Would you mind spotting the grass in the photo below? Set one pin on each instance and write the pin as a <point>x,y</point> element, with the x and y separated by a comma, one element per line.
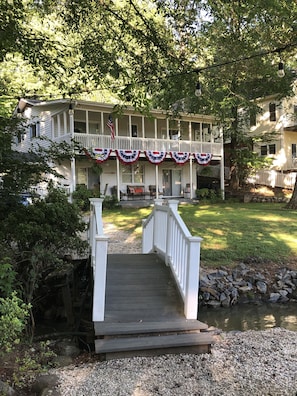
<point>231,232</point>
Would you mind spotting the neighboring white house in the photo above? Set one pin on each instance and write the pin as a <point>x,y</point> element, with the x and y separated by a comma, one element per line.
<point>279,117</point>
<point>160,153</point>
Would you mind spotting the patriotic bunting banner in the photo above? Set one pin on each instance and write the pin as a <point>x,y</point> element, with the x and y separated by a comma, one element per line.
<point>128,156</point>
<point>100,155</point>
<point>180,158</point>
<point>155,157</point>
<point>203,158</point>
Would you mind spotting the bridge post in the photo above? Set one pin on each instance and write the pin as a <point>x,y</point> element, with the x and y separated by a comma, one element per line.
<point>173,204</point>
<point>192,283</point>
<point>101,242</point>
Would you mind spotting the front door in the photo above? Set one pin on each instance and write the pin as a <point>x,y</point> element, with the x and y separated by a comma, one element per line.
<point>172,182</point>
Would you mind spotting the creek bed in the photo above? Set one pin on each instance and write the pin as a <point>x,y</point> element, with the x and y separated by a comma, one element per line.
<point>243,317</point>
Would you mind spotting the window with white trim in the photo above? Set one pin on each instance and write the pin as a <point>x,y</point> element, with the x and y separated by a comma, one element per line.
<point>35,130</point>
<point>133,173</point>
<point>268,149</point>
<point>272,112</point>
<point>294,150</point>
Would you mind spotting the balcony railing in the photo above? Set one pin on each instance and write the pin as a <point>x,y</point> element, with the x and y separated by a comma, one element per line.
<point>131,143</point>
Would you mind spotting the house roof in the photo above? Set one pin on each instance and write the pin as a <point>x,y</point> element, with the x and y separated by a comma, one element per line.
<point>82,104</point>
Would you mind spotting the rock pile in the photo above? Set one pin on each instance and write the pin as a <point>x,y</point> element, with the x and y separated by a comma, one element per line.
<point>265,198</point>
<point>226,287</point>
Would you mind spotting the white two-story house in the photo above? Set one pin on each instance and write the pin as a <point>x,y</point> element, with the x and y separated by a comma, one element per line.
<point>277,120</point>
<point>148,156</point>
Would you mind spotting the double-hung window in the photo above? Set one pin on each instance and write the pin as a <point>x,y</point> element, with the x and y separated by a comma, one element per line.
<point>272,112</point>
<point>133,173</point>
<point>268,149</point>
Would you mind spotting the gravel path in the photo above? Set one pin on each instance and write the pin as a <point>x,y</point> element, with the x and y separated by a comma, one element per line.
<point>251,363</point>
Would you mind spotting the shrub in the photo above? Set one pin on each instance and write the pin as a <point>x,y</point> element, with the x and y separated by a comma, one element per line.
<point>14,314</point>
<point>7,277</point>
<point>81,197</point>
<point>209,194</point>
<point>202,193</point>
<point>110,202</point>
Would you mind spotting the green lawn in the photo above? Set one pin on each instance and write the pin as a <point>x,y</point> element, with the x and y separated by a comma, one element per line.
<point>231,232</point>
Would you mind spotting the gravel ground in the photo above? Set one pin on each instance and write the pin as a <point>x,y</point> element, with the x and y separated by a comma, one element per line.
<point>251,363</point>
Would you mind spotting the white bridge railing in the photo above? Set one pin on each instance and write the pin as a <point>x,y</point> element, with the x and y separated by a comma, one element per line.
<point>165,233</point>
<point>98,245</point>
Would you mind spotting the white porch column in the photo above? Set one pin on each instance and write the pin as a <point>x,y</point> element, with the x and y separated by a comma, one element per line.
<point>157,180</point>
<point>191,177</point>
<point>72,163</point>
<point>142,126</point>
<point>222,167</point>
<point>118,180</point>
<point>102,123</point>
<point>129,123</point>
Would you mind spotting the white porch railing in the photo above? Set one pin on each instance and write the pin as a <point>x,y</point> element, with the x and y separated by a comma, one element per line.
<point>165,233</point>
<point>98,245</point>
<point>130,143</point>
<point>273,179</point>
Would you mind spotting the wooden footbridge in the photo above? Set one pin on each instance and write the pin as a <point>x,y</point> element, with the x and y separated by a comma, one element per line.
<point>146,304</point>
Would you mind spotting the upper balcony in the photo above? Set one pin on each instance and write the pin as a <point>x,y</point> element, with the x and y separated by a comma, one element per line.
<point>87,124</point>
<point>144,144</point>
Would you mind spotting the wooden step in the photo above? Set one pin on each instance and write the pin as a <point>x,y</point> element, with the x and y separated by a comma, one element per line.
<point>107,329</point>
<point>154,345</point>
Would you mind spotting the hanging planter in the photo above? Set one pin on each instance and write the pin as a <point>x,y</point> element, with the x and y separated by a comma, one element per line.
<point>180,158</point>
<point>203,158</point>
<point>128,156</point>
<point>155,157</point>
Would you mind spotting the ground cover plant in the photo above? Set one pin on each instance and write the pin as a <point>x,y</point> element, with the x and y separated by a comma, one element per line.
<point>231,232</point>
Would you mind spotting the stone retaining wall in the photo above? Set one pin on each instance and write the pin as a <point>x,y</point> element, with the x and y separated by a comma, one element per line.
<point>226,287</point>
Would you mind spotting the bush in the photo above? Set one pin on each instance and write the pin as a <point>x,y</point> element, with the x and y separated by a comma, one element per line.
<point>7,277</point>
<point>14,314</point>
<point>110,202</point>
<point>81,197</point>
<point>202,193</point>
<point>209,194</point>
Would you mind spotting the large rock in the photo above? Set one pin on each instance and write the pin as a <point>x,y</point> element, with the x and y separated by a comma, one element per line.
<point>45,385</point>
<point>274,297</point>
<point>262,287</point>
<point>6,390</point>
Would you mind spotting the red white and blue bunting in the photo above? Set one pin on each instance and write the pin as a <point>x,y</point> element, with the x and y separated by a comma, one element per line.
<point>128,156</point>
<point>203,158</point>
<point>155,157</point>
<point>98,154</point>
<point>180,158</point>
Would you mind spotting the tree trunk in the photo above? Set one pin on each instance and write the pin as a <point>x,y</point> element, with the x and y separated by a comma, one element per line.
<point>293,201</point>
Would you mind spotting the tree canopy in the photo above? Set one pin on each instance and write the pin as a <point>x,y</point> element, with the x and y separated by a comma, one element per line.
<point>148,53</point>
<point>151,54</point>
